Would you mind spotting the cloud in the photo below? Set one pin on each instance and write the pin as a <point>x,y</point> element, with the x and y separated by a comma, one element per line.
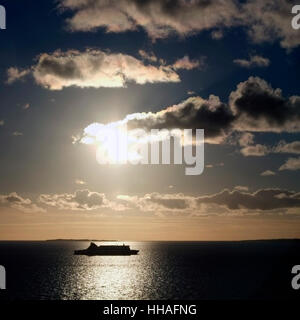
<point>14,74</point>
<point>254,61</point>
<point>257,150</point>
<point>194,113</point>
<point>268,173</point>
<point>250,149</point>
<point>17,134</point>
<point>217,34</point>
<point>75,139</point>
<point>283,147</point>
<point>227,202</point>
<point>13,200</point>
<point>187,64</point>
<point>241,188</point>
<point>246,139</point>
<point>292,164</point>
<point>253,107</point>
<point>148,56</point>
<point>80,182</point>
<point>171,202</point>
<point>154,202</point>
<point>264,21</point>
<point>269,21</point>
<point>80,200</point>
<point>238,201</point>
<point>159,18</point>
<point>259,107</point>
<point>221,164</point>
<point>96,68</point>
<point>262,200</point>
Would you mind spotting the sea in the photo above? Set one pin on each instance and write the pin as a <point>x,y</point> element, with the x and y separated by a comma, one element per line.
<point>247,270</point>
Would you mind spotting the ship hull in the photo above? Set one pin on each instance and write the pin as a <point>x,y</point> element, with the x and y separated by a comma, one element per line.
<point>86,253</point>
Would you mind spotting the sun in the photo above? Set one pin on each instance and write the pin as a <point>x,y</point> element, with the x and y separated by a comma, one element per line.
<point>116,146</point>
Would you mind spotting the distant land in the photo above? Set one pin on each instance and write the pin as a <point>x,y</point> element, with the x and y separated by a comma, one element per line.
<point>90,240</point>
<point>203,241</point>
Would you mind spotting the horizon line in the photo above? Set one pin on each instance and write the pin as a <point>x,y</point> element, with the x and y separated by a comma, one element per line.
<point>105,240</point>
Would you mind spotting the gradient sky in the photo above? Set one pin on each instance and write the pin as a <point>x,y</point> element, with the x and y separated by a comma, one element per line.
<point>229,68</point>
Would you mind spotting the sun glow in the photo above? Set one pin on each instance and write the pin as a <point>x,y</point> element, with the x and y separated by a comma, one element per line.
<point>116,146</point>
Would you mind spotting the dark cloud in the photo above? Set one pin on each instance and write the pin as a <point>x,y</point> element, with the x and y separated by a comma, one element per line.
<point>168,202</point>
<point>259,107</point>
<point>80,200</point>
<point>160,18</point>
<point>195,113</point>
<point>157,202</point>
<point>269,21</point>
<point>253,107</point>
<point>264,21</point>
<point>227,202</point>
<point>284,147</point>
<point>61,68</point>
<point>264,199</point>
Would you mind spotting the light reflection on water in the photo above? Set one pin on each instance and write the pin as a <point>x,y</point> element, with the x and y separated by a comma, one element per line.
<point>115,277</point>
<point>161,270</point>
<point>51,271</point>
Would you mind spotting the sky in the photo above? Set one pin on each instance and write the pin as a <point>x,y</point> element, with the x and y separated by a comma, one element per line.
<point>72,69</point>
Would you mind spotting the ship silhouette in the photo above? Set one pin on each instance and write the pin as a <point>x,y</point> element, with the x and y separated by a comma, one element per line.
<point>106,250</point>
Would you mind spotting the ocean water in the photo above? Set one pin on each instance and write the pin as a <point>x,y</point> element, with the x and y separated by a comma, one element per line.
<point>162,270</point>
